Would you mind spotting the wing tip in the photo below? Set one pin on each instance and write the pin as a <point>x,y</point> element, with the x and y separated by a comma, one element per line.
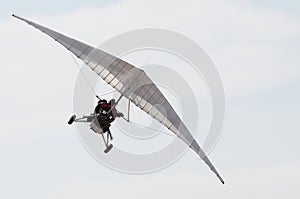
<point>223,182</point>
<point>220,178</point>
<point>16,16</point>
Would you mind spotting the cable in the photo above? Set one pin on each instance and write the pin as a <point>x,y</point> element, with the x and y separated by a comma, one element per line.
<point>153,129</point>
<point>109,92</point>
<point>81,71</point>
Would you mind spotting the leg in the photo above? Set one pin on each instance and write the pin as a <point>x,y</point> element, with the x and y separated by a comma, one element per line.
<point>108,147</point>
<point>109,133</point>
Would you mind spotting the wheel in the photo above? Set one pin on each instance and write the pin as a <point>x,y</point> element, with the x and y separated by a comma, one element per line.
<point>108,148</point>
<point>72,119</point>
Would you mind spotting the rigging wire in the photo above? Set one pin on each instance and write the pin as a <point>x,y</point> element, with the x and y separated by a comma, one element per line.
<point>109,92</point>
<point>86,79</point>
<point>153,129</point>
<point>84,76</point>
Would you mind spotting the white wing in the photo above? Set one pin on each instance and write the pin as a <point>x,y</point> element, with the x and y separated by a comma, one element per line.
<point>132,83</point>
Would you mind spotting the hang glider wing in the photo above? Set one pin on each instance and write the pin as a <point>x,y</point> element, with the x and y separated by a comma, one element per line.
<point>132,83</point>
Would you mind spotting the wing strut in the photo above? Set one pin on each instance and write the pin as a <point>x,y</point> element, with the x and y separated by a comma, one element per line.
<point>115,104</point>
<point>128,110</point>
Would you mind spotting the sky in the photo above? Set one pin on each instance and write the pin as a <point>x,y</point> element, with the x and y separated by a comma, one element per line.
<point>254,45</point>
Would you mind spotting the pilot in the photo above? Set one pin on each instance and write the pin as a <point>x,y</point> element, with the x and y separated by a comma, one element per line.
<point>106,114</point>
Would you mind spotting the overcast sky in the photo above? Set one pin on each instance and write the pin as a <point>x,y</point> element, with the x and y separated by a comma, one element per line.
<point>255,46</point>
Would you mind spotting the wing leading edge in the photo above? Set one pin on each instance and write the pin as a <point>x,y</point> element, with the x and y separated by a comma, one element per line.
<point>132,83</point>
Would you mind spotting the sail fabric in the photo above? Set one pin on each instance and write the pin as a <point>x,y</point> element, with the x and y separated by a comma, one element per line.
<point>131,82</point>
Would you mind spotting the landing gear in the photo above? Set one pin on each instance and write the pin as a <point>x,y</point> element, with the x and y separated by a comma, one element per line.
<point>106,141</point>
<point>95,122</point>
<point>108,148</point>
<point>72,119</point>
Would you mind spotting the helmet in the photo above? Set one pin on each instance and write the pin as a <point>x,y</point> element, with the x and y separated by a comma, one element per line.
<point>102,101</point>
